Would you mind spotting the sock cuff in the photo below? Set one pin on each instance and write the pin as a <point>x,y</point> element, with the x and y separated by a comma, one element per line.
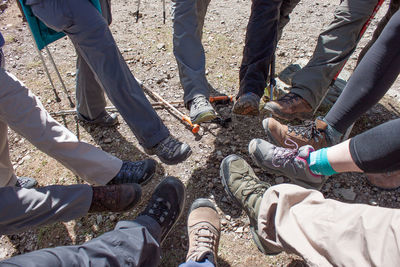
<point>319,164</point>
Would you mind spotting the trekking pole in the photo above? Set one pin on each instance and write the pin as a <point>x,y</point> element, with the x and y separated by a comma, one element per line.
<point>71,103</point>
<point>272,81</point>
<point>221,98</point>
<point>195,127</point>
<point>164,16</point>
<point>58,99</point>
<point>137,11</point>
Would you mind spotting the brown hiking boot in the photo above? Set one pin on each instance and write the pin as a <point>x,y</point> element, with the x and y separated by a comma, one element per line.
<point>312,133</point>
<point>289,107</point>
<point>204,231</point>
<point>115,198</point>
<point>386,181</point>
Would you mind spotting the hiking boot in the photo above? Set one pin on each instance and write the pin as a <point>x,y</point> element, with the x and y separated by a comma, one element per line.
<point>204,230</point>
<point>137,172</point>
<point>115,198</point>
<point>286,161</point>
<point>201,110</point>
<point>247,104</point>
<point>25,182</point>
<point>245,189</point>
<point>104,119</point>
<point>170,151</point>
<point>166,204</point>
<point>385,181</point>
<point>317,134</point>
<point>289,107</point>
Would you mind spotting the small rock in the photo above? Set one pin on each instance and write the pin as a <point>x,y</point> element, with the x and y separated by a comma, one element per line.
<point>160,46</point>
<point>279,180</point>
<point>228,217</point>
<point>372,202</point>
<point>99,219</point>
<point>107,141</point>
<point>224,221</point>
<point>239,230</point>
<point>347,194</point>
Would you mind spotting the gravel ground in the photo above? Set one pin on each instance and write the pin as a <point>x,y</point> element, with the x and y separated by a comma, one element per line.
<point>147,48</point>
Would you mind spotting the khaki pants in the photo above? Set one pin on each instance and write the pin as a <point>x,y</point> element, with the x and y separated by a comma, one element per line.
<point>23,112</point>
<point>326,232</point>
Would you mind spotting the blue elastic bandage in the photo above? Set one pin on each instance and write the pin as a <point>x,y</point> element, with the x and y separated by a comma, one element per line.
<point>319,164</point>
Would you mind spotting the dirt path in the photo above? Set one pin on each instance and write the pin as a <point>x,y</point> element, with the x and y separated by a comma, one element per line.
<point>147,48</point>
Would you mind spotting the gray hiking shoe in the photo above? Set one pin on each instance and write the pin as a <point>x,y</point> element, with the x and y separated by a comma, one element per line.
<point>170,151</point>
<point>204,231</point>
<point>25,182</point>
<point>286,161</point>
<point>201,110</point>
<point>105,119</point>
<point>245,189</point>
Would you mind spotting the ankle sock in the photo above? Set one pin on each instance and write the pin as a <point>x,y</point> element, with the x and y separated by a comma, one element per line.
<point>319,164</point>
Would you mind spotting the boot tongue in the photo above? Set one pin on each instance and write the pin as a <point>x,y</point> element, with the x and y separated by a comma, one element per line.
<point>304,151</point>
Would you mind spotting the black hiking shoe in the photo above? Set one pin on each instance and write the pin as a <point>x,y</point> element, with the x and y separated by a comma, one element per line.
<point>170,151</point>
<point>136,172</point>
<point>166,204</point>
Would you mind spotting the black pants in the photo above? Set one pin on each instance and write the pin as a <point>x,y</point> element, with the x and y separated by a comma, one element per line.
<point>379,148</point>
<point>267,19</point>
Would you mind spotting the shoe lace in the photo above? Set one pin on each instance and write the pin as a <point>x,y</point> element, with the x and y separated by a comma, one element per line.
<point>204,238</point>
<point>21,182</point>
<point>290,97</point>
<point>199,102</point>
<point>309,130</point>
<point>128,171</point>
<point>251,186</point>
<point>168,146</point>
<point>283,155</point>
<point>159,210</point>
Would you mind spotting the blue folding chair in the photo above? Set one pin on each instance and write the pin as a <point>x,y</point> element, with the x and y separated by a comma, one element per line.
<point>44,36</point>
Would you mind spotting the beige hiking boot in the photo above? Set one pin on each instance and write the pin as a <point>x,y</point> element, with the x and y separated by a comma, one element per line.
<point>204,231</point>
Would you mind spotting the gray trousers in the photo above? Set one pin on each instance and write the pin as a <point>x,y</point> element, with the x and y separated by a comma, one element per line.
<point>22,209</point>
<point>131,243</point>
<point>90,100</point>
<point>188,21</point>
<point>334,47</point>
<point>327,232</point>
<point>23,112</point>
<point>91,36</point>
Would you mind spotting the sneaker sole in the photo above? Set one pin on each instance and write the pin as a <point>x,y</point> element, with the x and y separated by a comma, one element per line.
<point>256,239</point>
<point>206,116</point>
<point>293,180</point>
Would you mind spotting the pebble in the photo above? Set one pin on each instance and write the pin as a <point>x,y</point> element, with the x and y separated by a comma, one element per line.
<point>372,202</point>
<point>99,219</point>
<point>279,180</point>
<point>347,194</point>
<point>107,141</point>
<point>160,46</point>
